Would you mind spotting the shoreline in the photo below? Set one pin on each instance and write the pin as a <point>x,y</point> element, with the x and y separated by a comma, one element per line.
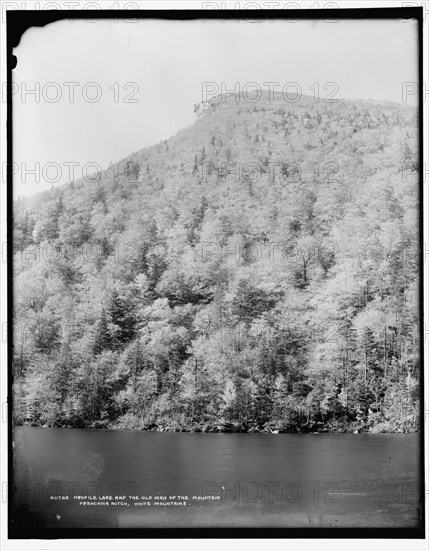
<point>224,430</point>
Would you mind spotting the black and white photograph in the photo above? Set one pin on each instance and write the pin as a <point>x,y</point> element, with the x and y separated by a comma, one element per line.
<point>215,271</point>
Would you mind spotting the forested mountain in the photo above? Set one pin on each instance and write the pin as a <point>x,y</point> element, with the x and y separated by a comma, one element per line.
<point>256,271</point>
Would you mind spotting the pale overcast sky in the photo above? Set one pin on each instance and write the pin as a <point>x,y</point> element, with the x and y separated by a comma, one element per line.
<point>162,66</point>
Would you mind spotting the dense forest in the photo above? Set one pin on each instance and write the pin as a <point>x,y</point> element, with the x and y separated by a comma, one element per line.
<point>258,271</point>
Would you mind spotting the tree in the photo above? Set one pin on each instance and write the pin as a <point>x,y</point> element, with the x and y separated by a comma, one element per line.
<point>103,338</point>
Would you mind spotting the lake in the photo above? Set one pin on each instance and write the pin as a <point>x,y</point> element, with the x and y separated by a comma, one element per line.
<point>106,478</point>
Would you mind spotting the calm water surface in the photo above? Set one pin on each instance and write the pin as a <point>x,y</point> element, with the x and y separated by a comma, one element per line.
<point>253,480</point>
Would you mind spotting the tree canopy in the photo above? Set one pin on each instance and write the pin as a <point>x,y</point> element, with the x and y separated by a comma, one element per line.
<point>257,270</point>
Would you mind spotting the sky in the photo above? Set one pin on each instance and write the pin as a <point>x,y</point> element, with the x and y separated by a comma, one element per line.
<point>103,90</point>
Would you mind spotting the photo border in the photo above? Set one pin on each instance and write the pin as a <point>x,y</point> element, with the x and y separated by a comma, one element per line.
<point>17,22</point>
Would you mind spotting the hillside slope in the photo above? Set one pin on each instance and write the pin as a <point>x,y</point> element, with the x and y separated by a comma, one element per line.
<point>256,271</point>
